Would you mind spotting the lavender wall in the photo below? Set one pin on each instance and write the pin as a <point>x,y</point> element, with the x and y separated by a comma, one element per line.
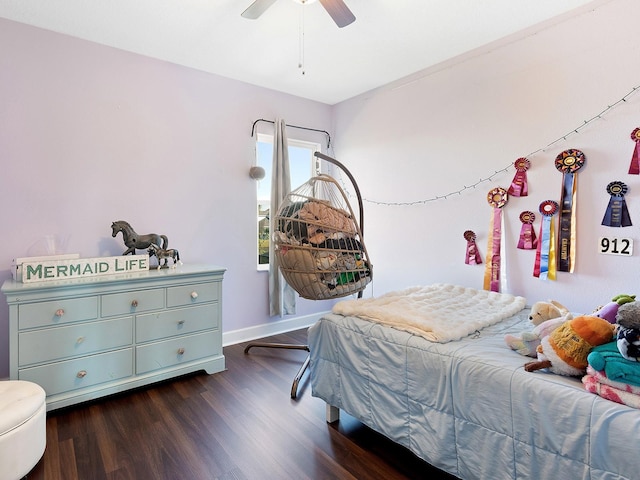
<point>438,131</point>
<point>91,134</point>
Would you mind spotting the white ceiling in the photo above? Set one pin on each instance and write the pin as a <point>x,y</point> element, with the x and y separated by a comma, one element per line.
<point>389,40</point>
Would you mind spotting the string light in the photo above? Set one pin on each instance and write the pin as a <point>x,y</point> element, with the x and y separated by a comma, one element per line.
<point>508,167</point>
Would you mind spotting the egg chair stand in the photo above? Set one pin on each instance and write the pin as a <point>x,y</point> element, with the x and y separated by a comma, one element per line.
<point>351,278</point>
<point>303,368</point>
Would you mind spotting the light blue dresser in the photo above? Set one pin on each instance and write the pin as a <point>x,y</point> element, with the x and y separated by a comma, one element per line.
<point>86,338</point>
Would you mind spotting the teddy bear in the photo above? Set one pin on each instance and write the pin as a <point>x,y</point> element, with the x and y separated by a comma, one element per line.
<point>564,351</point>
<point>546,316</point>
<point>543,311</point>
<point>609,311</point>
<point>628,336</point>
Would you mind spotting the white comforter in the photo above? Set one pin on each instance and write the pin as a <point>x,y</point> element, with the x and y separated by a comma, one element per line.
<point>439,312</point>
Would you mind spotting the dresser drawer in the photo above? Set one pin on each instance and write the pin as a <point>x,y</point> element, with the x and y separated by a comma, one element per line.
<point>64,342</point>
<point>57,312</point>
<point>155,356</point>
<point>193,294</point>
<point>82,372</point>
<point>134,301</point>
<point>180,321</point>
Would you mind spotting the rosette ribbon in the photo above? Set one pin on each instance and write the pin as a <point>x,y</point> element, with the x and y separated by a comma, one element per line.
<point>497,198</point>
<point>634,168</point>
<point>617,214</point>
<point>473,255</point>
<point>545,265</point>
<point>568,163</point>
<point>519,186</point>
<point>527,240</point>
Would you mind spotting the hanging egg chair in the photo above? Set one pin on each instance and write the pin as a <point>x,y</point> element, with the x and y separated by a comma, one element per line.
<point>319,246</point>
<point>318,242</point>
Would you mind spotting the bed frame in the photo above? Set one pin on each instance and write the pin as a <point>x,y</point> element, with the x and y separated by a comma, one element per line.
<point>468,407</point>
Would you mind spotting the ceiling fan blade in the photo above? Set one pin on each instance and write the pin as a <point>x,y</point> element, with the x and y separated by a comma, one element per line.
<point>257,8</point>
<point>339,12</point>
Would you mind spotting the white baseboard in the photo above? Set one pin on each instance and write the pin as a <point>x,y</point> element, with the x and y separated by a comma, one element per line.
<point>268,329</point>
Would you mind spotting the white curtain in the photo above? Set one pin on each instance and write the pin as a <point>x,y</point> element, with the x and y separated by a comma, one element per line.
<point>282,299</point>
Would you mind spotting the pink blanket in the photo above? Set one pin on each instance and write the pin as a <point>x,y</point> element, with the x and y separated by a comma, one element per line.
<point>598,383</point>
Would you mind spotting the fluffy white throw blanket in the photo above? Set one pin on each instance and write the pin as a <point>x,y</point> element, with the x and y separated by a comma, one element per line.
<point>440,312</point>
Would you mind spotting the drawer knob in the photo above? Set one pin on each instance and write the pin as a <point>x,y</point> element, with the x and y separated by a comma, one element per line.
<point>181,351</point>
<point>180,322</point>
<point>134,303</point>
<point>81,374</point>
<point>60,312</point>
<point>80,340</point>
<point>194,295</point>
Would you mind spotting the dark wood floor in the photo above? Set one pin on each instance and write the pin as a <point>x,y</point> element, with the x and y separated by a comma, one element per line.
<point>237,424</point>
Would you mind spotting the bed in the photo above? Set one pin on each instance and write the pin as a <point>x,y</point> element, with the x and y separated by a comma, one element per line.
<point>466,405</point>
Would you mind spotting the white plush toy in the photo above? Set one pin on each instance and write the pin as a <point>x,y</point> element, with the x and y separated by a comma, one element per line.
<point>543,311</point>
<point>546,316</point>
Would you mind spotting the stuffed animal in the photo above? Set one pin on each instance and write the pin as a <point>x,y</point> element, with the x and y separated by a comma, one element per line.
<point>609,311</point>
<point>527,342</point>
<point>564,351</point>
<point>546,316</point>
<point>628,337</point>
<point>543,311</point>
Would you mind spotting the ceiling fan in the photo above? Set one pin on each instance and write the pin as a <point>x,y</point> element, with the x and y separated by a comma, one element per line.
<point>335,8</point>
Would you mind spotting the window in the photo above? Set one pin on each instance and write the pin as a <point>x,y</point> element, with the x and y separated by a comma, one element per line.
<point>302,166</point>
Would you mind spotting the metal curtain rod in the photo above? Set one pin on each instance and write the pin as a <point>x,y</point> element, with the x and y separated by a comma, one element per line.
<point>253,129</point>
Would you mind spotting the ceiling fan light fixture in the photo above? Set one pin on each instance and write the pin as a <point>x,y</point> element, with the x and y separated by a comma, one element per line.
<point>336,9</point>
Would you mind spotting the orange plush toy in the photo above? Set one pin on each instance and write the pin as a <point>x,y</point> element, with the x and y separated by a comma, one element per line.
<point>564,351</point>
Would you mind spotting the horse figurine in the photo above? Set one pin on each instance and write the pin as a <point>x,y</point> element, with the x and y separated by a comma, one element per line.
<point>162,254</point>
<point>132,240</point>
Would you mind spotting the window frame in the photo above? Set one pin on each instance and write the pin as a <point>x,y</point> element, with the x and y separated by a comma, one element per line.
<point>314,169</point>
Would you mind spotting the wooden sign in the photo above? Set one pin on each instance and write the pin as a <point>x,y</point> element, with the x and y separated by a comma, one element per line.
<point>63,269</point>
<point>16,264</point>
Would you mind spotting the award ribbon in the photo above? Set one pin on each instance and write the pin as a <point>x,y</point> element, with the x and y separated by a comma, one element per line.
<point>545,265</point>
<point>528,240</point>
<point>634,168</point>
<point>568,162</point>
<point>617,214</point>
<point>473,255</point>
<point>519,186</point>
<point>497,198</point>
